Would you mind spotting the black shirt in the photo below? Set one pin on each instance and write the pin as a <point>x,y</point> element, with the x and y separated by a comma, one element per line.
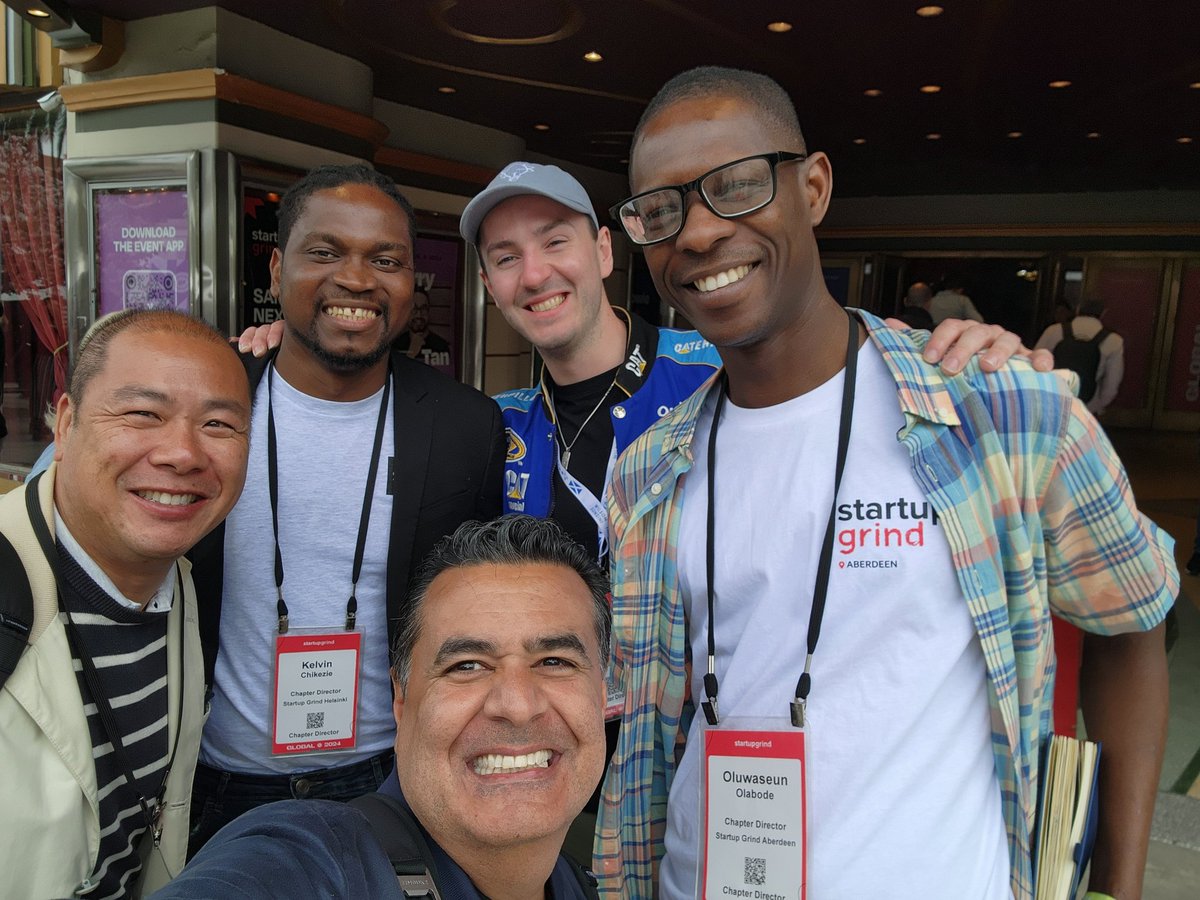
<point>590,449</point>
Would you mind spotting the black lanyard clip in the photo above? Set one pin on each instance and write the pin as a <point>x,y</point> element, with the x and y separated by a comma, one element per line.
<point>711,713</point>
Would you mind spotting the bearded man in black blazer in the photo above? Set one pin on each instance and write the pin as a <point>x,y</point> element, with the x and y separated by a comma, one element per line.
<point>360,460</point>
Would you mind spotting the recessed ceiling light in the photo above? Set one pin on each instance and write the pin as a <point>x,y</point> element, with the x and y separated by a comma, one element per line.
<point>541,126</point>
<point>933,136</point>
<point>860,140</point>
<point>592,56</point>
<point>779,27</point>
<point>1015,134</point>
<point>446,89</point>
<point>928,12</point>
<point>930,88</point>
<point>1183,140</point>
<point>1060,84</point>
<point>39,13</point>
<point>873,92</point>
<point>1093,134</point>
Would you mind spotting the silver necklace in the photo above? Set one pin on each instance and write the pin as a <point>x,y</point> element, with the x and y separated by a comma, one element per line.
<point>566,454</point>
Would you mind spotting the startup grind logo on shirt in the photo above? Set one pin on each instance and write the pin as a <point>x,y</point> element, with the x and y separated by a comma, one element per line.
<point>876,534</point>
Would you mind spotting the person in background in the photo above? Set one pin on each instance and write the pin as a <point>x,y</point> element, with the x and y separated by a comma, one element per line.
<point>952,302</point>
<point>916,306</point>
<point>1095,353</point>
<point>418,341</point>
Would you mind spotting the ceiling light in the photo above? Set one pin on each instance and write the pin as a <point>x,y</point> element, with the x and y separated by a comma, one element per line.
<point>40,13</point>
<point>592,56</point>
<point>933,136</point>
<point>1060,84</point>
<point>446,89</point>
<point>541,126</point>
<point>779,27</point>
<point>873,92</point>
<point>1183,140</point>
<point>1015,134</point>
<point>1093,134</point>
<point>1195,85</point>
<point>928,12</point>
<point>930,88</point>
<point>860,141</point>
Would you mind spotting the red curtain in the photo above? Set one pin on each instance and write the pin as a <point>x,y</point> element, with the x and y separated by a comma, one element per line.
<point>31,231</point>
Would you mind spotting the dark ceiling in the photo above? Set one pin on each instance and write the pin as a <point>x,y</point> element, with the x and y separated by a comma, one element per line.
<point>1130,118</point>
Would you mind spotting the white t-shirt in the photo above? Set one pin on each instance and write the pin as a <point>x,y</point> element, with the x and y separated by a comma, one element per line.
<point>903,797</point>
<point>324,449</point>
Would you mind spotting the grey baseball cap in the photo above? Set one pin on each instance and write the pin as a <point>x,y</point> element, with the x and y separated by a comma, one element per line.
<point>518,179</point>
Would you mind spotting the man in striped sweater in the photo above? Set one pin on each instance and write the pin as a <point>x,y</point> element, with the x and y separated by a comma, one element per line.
<point>100,719</point>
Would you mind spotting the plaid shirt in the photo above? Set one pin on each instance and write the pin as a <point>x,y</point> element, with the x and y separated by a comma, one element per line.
<point>1039,517</point>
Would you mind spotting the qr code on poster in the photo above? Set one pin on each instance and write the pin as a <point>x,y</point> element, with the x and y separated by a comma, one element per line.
<point>756,870</point>
<point>317,720</point>
<point>148,289</point>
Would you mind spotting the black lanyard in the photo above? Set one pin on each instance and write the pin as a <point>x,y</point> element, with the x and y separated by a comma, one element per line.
<point>364,519</point>
<point>821,589</point>
<point>108,721</point>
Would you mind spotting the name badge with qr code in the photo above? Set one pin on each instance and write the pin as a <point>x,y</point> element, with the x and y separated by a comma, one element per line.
<point>316,692</point>
<point>753,804</point>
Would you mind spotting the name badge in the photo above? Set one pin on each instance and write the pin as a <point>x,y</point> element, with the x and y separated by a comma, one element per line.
<point>614,698</point>
<point>754,795</point>
<point>316,692</point>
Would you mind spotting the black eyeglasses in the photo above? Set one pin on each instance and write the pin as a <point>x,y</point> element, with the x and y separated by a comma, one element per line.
<point>734,189</point>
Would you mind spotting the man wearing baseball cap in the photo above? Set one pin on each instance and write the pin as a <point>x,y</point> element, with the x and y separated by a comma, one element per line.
<point>607,374</point>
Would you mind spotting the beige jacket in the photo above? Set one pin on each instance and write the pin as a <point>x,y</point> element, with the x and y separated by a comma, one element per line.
<point>49,818</point>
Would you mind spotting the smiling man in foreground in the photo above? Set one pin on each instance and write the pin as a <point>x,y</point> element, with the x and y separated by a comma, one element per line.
<point>102,705</point>
<point>498,670</point>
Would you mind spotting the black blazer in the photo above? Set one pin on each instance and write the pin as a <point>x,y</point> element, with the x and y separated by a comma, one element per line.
<point>449,469</point>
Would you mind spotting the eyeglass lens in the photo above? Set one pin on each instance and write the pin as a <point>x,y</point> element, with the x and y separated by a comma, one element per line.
<point>732,190</point>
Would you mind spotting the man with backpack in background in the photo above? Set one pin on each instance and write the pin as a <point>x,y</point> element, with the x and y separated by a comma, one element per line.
<point>1093,352</point>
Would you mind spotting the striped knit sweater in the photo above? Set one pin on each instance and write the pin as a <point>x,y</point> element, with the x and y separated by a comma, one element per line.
<point>129,651</point>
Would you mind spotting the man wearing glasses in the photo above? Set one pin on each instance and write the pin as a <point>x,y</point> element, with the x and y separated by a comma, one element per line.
<point>873,590</point>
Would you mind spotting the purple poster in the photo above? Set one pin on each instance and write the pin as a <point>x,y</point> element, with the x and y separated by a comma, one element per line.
<point>432,333</point>
<point>142,249</point>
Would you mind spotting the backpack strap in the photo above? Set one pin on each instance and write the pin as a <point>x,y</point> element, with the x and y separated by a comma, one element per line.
<point>405,845</point>
<point>409,853</point>
<point>585,877</point>
<point>16,609</point>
